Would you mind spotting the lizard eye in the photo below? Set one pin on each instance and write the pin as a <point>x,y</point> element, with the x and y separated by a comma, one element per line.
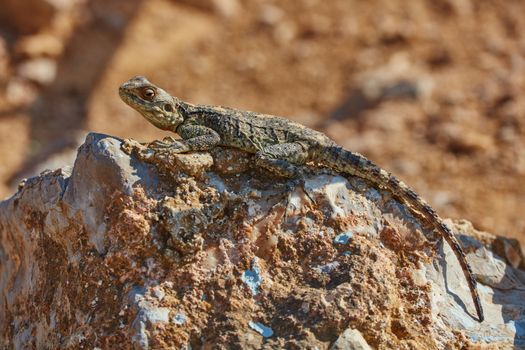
<point>168,108</point>
<point>148,93</point>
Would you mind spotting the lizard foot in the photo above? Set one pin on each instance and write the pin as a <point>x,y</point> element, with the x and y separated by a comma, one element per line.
<point>292,185</point>
<point>168,145</point>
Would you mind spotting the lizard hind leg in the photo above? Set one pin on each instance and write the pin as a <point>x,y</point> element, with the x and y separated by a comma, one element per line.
<point>283,159</point>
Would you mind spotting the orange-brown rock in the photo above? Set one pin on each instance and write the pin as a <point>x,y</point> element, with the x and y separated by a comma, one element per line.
<point>130,254</point>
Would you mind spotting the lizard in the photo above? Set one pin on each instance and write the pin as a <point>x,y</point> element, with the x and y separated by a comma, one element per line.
<point>279,145</point>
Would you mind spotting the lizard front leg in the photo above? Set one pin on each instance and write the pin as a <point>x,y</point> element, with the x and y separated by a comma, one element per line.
<point>283,159</point>
<point>194,138</point>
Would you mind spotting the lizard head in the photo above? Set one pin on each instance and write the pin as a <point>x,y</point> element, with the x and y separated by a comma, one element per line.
<point>156,105</point>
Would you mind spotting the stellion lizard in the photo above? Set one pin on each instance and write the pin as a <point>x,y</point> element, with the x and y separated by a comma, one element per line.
<point>280,146</point>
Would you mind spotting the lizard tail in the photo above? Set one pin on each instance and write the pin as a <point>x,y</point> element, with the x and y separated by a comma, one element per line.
<point>344,161</point>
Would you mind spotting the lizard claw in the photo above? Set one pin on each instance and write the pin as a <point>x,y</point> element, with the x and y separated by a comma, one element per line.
<point>292,184</point>
<point>165,143</point>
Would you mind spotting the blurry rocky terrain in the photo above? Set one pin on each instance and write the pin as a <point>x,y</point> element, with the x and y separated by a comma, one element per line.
<point>431,90</point>
<point>203,251</point>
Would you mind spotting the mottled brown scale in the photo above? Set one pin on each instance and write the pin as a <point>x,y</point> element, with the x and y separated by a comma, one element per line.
<point>280,146</point>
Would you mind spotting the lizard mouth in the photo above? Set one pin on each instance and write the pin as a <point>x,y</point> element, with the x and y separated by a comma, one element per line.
<point>128,97</point>
<point>131,99</point>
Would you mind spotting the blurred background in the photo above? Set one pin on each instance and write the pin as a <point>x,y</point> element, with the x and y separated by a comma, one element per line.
<point>432,90</point>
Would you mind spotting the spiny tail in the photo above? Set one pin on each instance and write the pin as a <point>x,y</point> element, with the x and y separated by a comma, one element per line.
<point>344,161</point>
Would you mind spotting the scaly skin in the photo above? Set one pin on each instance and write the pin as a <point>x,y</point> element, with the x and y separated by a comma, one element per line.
<point>280,146</point>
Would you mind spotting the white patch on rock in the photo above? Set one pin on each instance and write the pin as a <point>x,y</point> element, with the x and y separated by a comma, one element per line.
<point>179,319</point>
<point>327,268</point>
<point>350,339</point>
<point>261,329</point>
<point>253,278</point>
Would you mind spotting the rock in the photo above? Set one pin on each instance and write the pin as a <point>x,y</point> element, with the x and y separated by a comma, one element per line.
<point>227,8</point>
<point>39,70</point>
<point>351,339</point>
<point>131,251</point>
<point>39,45</point>
<point>285,32</point>
<point>461,139</point>
<point>193,164</point>
<point>60,154</point>
<point>270,14</point>
<point>20,92</point>
<point>397,79</point>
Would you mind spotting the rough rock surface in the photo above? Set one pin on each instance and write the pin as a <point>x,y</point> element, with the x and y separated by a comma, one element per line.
<point>141,254</point>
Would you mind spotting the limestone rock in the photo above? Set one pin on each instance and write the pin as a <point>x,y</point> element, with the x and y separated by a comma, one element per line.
<point>351,339</point>
<point>131,251</point>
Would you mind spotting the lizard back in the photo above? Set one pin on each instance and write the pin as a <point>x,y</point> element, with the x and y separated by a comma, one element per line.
<point>252,131</point>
